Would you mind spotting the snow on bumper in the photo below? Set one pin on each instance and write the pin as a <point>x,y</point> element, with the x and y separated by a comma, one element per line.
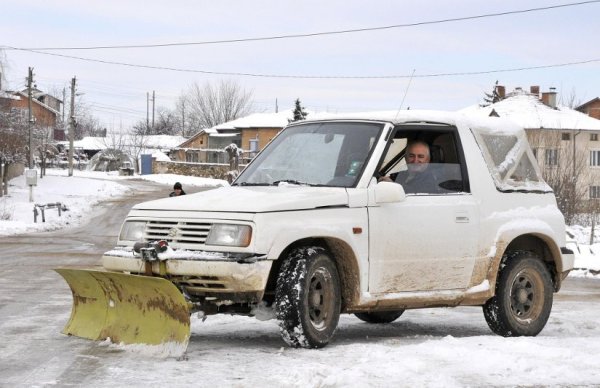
<point>208,274</point>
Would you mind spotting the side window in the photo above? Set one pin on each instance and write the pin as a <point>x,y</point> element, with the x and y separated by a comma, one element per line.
<point>443,173</point>
<point>510,160</point>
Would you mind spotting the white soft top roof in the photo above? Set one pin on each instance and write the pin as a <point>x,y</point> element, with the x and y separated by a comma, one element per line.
<point>500,124</point>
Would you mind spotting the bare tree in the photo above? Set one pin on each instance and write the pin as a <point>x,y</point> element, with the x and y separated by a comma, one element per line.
<point>210,105</point>
<point>564,168</point>
<point>571,100</point>
<point>13,149</point>
<point>166,123</point>
<point>43,138</point>
<point>139,142</point>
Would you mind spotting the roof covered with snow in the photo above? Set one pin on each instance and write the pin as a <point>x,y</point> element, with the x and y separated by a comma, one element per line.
<point>163,142</point>
<point>529,112</point>
<point>256,120</point>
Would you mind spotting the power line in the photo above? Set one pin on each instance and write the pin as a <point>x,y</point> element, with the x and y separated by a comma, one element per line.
<point>258,75</point>
<point>314,34</point>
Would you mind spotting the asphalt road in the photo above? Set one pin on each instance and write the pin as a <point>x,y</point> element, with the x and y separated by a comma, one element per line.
<point>35,301</point>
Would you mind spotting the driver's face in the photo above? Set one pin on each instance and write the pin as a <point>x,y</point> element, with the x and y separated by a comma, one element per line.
<point>417,157</point>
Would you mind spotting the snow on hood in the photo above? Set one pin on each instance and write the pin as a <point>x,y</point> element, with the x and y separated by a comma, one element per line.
<point>252,199</point>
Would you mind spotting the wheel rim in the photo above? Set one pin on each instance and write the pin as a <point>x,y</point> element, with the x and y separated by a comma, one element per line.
<point>320,298</point>
<point>526,295</point>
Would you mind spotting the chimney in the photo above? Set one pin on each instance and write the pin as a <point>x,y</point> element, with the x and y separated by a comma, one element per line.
<point>549,98</point>
<point>501,91</point>
<point>535,90</point>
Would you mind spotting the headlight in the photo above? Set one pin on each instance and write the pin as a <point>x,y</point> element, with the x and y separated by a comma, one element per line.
<point>229,235</point>
<point>132,231</point>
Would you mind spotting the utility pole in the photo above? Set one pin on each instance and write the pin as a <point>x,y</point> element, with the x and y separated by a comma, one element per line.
<point>72,126</point>
<point>63,108</point>
<point>153,101</point>
<point>30,115</point>
<point>147,111</point>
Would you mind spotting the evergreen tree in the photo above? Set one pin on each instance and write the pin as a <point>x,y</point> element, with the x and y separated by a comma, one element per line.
<point>492,98</point>
<point>299,112</point>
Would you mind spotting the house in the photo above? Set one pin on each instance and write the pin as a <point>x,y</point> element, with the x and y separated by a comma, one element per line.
<point>45,109</point>
<point>591,108</point>
<point>250,133</point>
<point>564,141</point>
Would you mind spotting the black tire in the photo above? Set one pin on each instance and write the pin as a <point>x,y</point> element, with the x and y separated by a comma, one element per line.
<point>523,299</point>
<point>380,317</point>
<point>307,298</point>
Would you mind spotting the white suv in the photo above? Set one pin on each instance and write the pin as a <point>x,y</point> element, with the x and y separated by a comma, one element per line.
<point>308,230</point>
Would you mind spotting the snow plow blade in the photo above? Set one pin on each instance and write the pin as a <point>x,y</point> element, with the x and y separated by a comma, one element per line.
<point>127,309</point>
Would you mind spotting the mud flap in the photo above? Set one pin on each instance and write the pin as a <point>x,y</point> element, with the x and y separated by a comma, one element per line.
<point>128,309</point>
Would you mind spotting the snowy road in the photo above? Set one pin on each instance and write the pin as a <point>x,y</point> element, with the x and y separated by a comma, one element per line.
<point>437,347</point>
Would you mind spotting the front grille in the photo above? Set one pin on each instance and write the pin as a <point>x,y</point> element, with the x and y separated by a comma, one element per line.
<point>177,232</point>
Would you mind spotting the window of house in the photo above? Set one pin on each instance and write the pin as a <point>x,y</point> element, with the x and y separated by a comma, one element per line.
<point>253,145</point>
<point>551,157</point>
<point>593,137</point>
<point>566,136</point>
<point>594,192</point>
<point>191,157</point>
<point>595,158</point>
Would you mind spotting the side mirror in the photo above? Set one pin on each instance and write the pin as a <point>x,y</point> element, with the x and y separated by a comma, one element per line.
<point>389,192</point>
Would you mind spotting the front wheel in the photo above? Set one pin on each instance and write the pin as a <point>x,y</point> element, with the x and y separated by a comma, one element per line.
<point>523,299</point>
<point>307,298</point>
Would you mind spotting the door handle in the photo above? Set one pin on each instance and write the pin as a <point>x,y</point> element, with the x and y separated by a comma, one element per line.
<point>462,217</point>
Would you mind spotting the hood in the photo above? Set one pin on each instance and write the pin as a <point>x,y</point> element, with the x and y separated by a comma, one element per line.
<point>252,199</point>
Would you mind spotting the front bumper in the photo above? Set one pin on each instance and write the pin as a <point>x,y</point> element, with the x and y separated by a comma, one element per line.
<point>216,278</point>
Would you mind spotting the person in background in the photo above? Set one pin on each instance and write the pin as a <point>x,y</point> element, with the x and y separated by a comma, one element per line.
<point>177,190</point>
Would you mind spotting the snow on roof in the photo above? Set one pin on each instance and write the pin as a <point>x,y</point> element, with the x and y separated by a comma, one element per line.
<point>163,141</point>
<point>101,143</point>
<point>256,120</point>
<point>8,95</point>
<point>160,156</point>
<point>529,112</point>
<point>90,143</point>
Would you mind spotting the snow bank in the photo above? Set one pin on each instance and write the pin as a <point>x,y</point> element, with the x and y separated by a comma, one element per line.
<point>77,194</point>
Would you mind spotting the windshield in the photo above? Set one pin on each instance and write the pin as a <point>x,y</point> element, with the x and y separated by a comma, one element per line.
<point>315,154</point>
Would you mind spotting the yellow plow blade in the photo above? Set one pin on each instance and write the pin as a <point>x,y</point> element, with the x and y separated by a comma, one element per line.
<point>128,309</point>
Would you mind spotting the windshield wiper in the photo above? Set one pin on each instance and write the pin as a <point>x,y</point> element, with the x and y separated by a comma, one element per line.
<point>291,181</point>
<point>251,184</point>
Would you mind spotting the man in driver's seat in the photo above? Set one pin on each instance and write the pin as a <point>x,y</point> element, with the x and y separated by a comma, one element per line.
<point>419,177</point>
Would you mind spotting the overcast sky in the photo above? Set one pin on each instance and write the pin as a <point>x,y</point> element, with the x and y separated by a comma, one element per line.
<point>118,93</point>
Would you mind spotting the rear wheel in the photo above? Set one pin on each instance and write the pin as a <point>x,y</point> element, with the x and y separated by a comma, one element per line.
<point>380,317</point>
<point>307,298</point>
<point>523,299</point>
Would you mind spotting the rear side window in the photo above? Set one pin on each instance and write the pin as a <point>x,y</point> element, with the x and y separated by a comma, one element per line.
<point>510,160</point>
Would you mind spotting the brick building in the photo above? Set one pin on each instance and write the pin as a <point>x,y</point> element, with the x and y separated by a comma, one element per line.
<point>591,108</point>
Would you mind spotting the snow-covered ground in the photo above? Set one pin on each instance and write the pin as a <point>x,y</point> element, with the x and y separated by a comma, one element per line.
<point>78,193</point>
<point>86,188</point>
<point>443,347</point>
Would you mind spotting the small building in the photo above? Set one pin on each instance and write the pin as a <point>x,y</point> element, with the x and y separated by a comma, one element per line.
<point>250,133</point>
<point>591,108</point>
<point>45,109</point>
